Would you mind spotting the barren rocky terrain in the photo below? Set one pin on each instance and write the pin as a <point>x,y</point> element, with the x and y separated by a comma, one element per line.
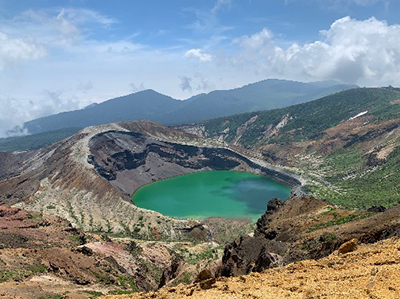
<point>304,247</point>
<point>370,271</point>
<point>45,256</point>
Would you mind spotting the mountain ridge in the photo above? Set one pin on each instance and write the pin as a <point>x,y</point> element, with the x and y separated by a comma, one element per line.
<point>154,106</point>
<point>336,152</point>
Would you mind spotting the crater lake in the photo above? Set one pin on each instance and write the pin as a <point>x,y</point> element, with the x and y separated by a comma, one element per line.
<point>199,195</point>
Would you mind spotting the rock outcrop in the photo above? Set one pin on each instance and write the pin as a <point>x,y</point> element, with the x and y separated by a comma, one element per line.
<point>250,254</point>
<point>305,228</point>
<point>372,271</point>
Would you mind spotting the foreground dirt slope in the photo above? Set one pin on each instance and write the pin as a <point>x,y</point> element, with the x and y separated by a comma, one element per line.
<point>43,256</point>
<point>371,271</point>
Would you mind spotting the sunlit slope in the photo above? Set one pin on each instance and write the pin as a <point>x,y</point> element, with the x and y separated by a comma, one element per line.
<point>346,145</point>
<point>304,120</point>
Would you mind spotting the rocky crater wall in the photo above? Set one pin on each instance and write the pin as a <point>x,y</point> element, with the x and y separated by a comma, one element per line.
<point>130,160</point>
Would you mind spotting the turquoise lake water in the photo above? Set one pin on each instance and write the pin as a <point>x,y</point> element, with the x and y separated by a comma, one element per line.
<point>215,193</point>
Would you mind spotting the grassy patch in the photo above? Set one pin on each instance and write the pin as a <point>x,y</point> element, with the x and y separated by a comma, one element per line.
<point>94,294</point>
<point>74,238</point>
<point>121,292</point>
<point>126,282</point>
<point>193,258</point>
<point>339,220</point>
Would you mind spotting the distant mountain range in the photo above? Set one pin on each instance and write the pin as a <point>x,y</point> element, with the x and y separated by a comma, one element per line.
<point>151,105</point>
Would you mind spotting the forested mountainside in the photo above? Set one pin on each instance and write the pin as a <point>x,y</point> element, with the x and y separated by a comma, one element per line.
<point>345,144</point>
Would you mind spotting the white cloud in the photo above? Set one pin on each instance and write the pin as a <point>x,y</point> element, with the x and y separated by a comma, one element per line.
<point>185,83</point>
<point>138,88</point>
<point>198,54</point>
<point>14,51</point>
<point>16,114</point>
<point>85,86</point>
<point>256,41</point>
<point>220,4</point>
<point>18,111</point>
<point>197,82</point>
<point>72,64</point>
<point>82,16</point>
<point>61,66</point>
<point>364,52</point>
<point>56,27</point>
<point>203,83</point>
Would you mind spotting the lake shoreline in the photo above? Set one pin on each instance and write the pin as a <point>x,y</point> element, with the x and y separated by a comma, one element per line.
<point>200,195</point>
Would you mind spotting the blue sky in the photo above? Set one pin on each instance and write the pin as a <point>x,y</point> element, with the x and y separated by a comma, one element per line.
<point>62,55</point>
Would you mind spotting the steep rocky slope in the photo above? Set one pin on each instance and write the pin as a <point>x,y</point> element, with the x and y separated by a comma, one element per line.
<point>371,271</point>
<point>60,177</point>
<point>305,228</point>
<point>44,256</point>
<point>90,177</point>
<point>306,247</point>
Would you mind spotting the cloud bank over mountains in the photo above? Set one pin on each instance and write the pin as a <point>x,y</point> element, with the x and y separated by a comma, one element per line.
<point>58,59</point>
<point>365,52</point>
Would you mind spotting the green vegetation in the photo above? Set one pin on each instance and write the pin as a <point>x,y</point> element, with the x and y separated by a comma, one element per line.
<point>359,185</point>
<point>194,256</point>
<point>30,142</point>
<point>121,292</point>
<point>308,119</point>
<point>94,294</point>
<point>340,220</point>
<point>127,282</point>
<point>185,278</point>
<point>25,270</point>
<point>72,212</point>
<point>347,177</point>
<point>37,216</point>
<point>193,259</point>
<point>57,296</point>
<point>74,238</point>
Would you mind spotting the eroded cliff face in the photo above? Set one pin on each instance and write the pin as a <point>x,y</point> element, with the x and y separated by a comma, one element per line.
<point>371,271</point>
<point>130,160</point>
<point>58,180</point>
<point>305,228</point>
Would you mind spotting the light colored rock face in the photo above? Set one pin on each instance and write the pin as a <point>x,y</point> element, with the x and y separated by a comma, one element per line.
<point>198,130</point>
<point>242,128</point>
<point>59,180</point>
<point>80,150</point>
